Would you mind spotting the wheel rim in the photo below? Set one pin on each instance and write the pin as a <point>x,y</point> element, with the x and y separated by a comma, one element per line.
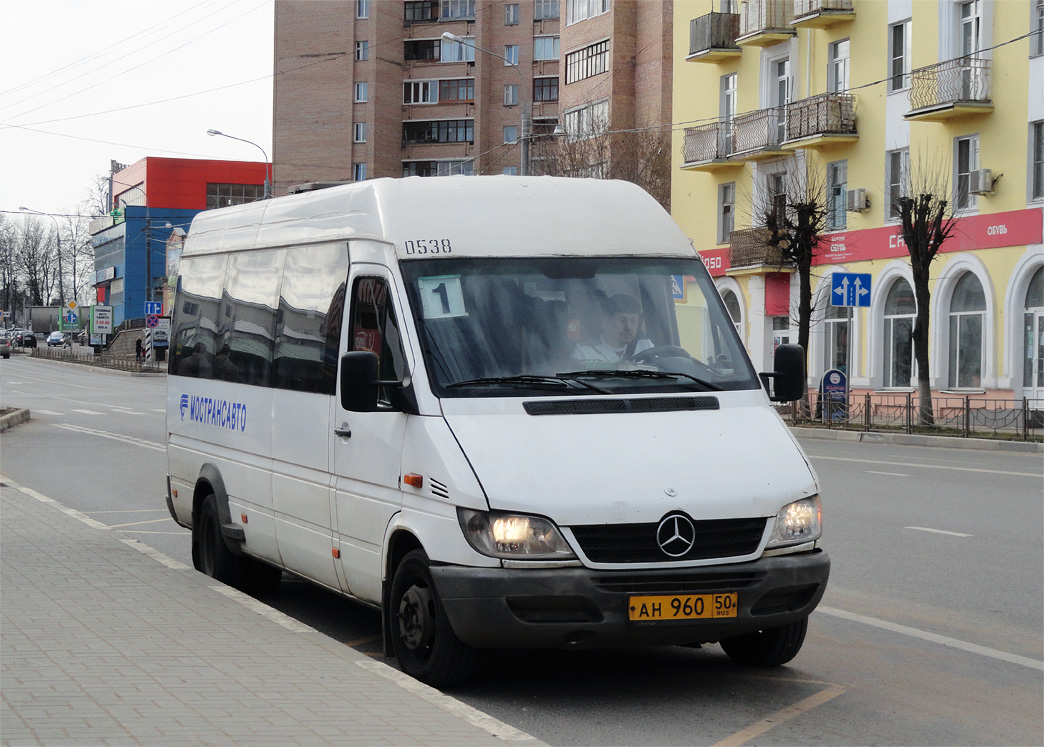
<point>417,620</point>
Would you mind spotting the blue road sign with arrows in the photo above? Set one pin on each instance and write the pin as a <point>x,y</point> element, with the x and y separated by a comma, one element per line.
<point>850,289</point>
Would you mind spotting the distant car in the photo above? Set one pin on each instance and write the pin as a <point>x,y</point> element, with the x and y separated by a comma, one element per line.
<point>26,339</point>
<point>55,339</point>
<point>5,347</point>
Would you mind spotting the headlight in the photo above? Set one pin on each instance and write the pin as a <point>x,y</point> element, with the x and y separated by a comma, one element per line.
<point>513,535</point>
<point>797,522</point>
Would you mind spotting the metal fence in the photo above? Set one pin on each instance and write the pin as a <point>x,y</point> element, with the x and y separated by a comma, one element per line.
<point>963,416</point>
<point>104,360</point>
<point>963,80</point>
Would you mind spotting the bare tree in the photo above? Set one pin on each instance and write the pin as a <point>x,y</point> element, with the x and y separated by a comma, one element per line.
<point>925,211</point>
<point>35,260</point>
<point>642,157</point>
<point>9,291</point>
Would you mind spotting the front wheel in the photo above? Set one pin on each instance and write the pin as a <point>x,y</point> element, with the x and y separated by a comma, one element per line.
<point>424,642</point>
<point>771,647</point>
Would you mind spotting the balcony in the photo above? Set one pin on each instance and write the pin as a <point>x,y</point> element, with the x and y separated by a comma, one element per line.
<point>765,22</point>
<point>708,147</point>
<point>749,251</point>
<point>759,135</point>
<point>821,14</point>
<point>821,121</point>
<point>955,88</point>
<point>712,37</point>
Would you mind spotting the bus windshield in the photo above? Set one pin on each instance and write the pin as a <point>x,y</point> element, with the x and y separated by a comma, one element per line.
<point>573,325</point>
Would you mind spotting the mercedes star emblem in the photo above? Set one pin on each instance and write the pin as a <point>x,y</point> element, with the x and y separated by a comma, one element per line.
<point>676,535</point>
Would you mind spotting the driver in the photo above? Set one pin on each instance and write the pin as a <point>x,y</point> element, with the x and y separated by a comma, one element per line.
<point>620,339</point>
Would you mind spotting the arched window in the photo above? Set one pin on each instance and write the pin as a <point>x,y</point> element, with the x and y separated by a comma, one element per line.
<point>899,310</point>
<point>732,305</point>
<point>836,338</point>
<point>1033,349</point>
<point>967,327</point>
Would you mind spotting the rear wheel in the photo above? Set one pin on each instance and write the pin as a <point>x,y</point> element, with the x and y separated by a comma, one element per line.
<point>424,642</point>
<point>771,647</point>
<point>210,555</point>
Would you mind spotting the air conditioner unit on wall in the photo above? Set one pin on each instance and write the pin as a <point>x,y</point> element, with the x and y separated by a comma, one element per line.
<point>980,182</point>
<point>857,201</point>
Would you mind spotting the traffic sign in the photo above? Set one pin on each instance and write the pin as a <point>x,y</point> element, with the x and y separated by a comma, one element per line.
<point>850,289</point>
<point>152,321</point>
<point>153,308</point>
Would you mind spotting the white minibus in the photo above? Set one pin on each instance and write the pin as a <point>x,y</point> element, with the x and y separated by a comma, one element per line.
<point>508,412</point>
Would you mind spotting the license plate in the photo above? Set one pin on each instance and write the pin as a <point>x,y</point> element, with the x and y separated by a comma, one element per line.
<point>682,607</point>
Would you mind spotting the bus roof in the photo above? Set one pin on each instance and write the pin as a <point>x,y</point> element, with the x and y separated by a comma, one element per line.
<point>473,216</point>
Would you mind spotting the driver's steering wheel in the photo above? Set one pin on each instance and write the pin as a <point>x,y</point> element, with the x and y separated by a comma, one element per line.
<point>650,355</point>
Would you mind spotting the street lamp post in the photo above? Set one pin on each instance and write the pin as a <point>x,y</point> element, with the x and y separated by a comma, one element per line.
<point>58,238</point>
<point>268,180</point>
<point>523,138</point>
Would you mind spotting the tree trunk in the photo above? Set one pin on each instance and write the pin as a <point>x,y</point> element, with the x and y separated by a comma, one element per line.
<point>926,414</point>
<point>804,323</point>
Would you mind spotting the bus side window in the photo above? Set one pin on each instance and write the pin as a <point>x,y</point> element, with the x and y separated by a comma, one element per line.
<point>374,327</point>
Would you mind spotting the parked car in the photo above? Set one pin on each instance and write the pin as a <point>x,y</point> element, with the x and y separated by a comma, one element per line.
<point>26,339</point>
<point>57,339</point>
<point>5,347</point>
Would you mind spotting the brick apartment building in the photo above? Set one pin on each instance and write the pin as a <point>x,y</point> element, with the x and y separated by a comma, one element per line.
<point>371,88</point>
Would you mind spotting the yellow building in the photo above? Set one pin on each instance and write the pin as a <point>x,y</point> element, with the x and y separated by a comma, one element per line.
<point>856,99</point>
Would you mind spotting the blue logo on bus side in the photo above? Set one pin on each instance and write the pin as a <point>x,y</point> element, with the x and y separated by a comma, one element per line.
<point>210,411</point>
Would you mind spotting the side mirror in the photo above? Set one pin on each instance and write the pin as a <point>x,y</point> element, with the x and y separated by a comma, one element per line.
<point>359,382</point>
<point>788,378</point>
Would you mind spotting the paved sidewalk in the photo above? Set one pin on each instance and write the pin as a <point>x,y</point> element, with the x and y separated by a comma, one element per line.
<point>106,641</point>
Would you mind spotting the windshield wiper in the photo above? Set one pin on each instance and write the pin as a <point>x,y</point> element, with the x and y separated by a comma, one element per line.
<point>529,381</point>
<point>640,373</point>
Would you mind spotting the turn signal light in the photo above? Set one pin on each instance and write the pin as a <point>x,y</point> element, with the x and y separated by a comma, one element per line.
<point>335,552</point>
<point>243,517</point>
<point>413,480</point>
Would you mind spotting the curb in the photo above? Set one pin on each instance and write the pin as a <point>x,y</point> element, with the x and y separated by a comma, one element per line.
<point>913,439</point>
<point>11,419</point>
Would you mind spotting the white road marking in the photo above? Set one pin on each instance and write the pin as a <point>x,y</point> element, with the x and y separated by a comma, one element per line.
<point>941,531</point>
<point>890,474</point>
<point>929,466</point>
<point>45,412</point>
<point>139,523</point>
<point>113,436</point>
<point>934,638</point>
<point>88,412</point>
<point>779,717</point>
<point>129,412</point>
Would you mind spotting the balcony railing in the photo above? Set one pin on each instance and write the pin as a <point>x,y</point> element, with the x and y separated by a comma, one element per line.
<point>711,142</point>
<point>749,247</point>
<point>759,131</point>
<point>823,115</point>
<point>766,17</point>
<point>963,81</point>
<point>713,32</point>
<point>822,12</point>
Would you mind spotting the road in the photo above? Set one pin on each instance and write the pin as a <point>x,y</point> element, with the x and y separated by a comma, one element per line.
<point>931,631</point>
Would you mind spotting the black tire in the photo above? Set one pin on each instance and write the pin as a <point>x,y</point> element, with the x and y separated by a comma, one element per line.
<point>210,555</point>
<point>772,647</point>
<point>424,641</point>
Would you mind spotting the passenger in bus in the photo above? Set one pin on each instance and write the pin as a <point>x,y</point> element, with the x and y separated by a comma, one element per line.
<point>197,364</point>
<point>224,368</point>
<point>620,340</point>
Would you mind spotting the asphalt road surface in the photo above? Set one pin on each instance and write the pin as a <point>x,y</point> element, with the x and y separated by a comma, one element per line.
<point>931,631</point>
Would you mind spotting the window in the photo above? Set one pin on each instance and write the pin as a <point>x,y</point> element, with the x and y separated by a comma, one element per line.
<point>420,92</point>
<point>967,325</point>
<point>362,50</point>
<point>837,73</point>
<point>438,168</point>
<point>510,54</point>
<point>509,171</point>
<point>726,211</point>
<point>359,172</point>
<point>726,113</point>
<point>359,132</point>
<point>511,14</point>
<point>967,160</point>
<point>732,305</point>
<point>587,121</point>
<point>837,188</point>
<point>453,51</point>
<point>419,11</point>
<point>374,329</point>
<point>545,48</point>
<point>1033,341</point>
<point>457,9</point>
<point>511,95</point>
<point>780,95</point>
<point>1037,40</point>
<point>899,310</point>
<point>776,189</point>
<point>544,9</point>
<point>545,89</point>
<point>579,10</point>
<point>223,195</point>
<point>1037,160</point>
<point>361,90</point>
<point>362,8</point>
<point>899,56</point>
<point>897,167</point>
<point>461,89</point>
<point>586,62</point>
<point>439,131</point>
<point>511,134</point>
<point>835,332</point>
